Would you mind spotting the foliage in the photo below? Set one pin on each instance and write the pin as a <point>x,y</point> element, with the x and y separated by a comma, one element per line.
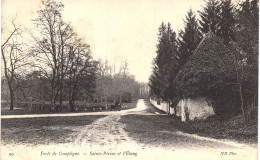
<point>247,34</point>
<point>165,63</point>
<point>189,38</point>
<point>210,16</point>
<point>223,67</point>
<point>226,22</point>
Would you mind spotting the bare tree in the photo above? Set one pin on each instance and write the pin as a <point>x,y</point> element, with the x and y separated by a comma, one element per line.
<point>116,84</point>
<point>52,46</point>
<point>123,74</point>
<point>103,82</point>
<point>65,34</point>
<point>14,59</point>
<point>81,69</point>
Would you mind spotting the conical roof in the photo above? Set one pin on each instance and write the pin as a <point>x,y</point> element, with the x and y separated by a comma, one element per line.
<point>205,65</point>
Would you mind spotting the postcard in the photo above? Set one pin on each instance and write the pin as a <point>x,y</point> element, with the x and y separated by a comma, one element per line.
<point>129,79</point>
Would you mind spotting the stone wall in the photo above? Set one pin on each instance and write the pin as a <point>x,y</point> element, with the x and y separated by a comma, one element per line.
<point>164,106</point>
<point>195,108</point>
<point>190,108</point>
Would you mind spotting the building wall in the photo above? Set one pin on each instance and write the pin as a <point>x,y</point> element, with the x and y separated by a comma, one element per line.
<point>195,108</point>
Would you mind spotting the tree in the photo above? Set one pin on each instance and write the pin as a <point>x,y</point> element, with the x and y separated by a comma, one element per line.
<point>189,38</point>
<point>165,63</point>
<point>246,30</point>
<point>210,16</point>
<point>123,72</point>
<point>104,82</point>
<point>62,57</point>
<point>154,81</point>
<point>226,23</point>
<point>36,86</point>
<point>154,84</point>
<point>14,57</point>
<point>81,70</point>
<point>45,50</point>
<point>51,52</point>
<point>115,86</point>
<point>65,34</point>
<point>246,34</point>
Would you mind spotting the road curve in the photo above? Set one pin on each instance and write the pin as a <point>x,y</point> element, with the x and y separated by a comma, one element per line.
<point>140,109</point>
<point>106,138</point>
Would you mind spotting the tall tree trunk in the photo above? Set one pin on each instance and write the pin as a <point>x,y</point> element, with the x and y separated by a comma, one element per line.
<point>61,86</point>
<point>9,81</point>
<point>52,85</point>
<point>72,100</point>
<point>11,100</point>
<point>242,101</point>
<point>72,107</point>
<point>62,74</point>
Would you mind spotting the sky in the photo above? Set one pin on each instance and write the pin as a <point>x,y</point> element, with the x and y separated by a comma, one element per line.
<point>116,30</point>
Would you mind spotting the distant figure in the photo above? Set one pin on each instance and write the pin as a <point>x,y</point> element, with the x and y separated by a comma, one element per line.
<point>116,107</point>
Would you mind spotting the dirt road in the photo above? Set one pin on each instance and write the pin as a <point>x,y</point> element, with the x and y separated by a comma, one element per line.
<point>108,132</point>
<point>106,138</point>
<point>140,109</point>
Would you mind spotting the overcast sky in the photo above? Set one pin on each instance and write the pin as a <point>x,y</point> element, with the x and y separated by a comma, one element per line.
<point>115,29</point>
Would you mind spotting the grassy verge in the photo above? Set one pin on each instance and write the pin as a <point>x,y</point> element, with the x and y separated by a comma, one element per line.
<point>152,109</point>
<point>34,131</point>
<point>233,128</point>
<point>131,105</point>
<point>153,130</point>
<point>25,110</point>
<point>19,111</point>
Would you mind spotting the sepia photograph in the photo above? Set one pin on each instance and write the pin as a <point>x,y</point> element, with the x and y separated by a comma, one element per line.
<point>129,79</point>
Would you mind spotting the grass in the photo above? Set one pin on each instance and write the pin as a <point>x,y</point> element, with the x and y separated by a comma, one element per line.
<point>21,111</point>
<point>152,129</point>
<point>34,131</point>
<point>25,110</point>
<point>129,105</point>
<point>233,128</point>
